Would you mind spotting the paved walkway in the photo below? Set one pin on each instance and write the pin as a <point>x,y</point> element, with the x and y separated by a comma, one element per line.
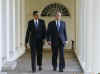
<point>24,64</point>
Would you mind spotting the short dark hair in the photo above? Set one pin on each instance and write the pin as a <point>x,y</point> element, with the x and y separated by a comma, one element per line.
<point>35,12</point>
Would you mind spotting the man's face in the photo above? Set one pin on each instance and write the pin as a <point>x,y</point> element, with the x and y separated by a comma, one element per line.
<point>36,16</point>
<point>58,16</point>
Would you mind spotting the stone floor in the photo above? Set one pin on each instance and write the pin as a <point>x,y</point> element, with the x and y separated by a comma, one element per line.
<point>24,64</point>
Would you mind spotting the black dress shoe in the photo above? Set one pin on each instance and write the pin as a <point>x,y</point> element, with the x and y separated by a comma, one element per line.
<point>60,70</point>
<point>54,69</point>
<point>34,70</point>
<point>40,68</point>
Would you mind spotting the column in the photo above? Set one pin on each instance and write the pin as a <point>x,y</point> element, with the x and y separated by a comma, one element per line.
<point>10,31</point>
<point>3,31</point>
<point>84,25</point>
<point>0,39</point>
<point>17,23</point>
<point>19,28</point>
<point>89,36</point>
<point>96,36</point>
<point>23,23</point>
<point>8,54</point>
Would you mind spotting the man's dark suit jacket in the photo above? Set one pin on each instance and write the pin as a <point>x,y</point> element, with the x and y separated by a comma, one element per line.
<point>34,33</point>
<point>53,35</point>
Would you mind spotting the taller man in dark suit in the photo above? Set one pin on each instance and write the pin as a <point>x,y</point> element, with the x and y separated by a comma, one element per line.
<point>35,36</point>
<point>56,37</point>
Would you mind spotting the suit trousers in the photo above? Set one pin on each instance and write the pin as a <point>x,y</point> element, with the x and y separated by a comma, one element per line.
<point>58,48</point>
<point>36,53</point>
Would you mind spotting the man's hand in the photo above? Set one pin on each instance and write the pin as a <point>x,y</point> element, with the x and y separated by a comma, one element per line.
<point>66,42</point>
<point>26,46</point>
<point>49,42</point>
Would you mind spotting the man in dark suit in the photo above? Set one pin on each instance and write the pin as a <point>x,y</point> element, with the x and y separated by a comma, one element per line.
<point>35,36</point>
<point>57,38</point>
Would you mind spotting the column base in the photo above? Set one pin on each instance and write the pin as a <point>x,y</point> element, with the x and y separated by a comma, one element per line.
<point>9,66</point>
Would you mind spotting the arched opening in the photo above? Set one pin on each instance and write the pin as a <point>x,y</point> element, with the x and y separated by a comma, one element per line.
<point>51,9</point>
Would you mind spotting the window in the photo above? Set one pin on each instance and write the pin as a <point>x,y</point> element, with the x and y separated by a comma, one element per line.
<point>51,9</point>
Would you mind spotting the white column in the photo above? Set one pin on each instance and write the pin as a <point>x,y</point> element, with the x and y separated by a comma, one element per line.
<point>8,20</point>
<point>0,38</point>
<point>89,50</point>
<point>84,35</point>
<point>96,36</point>
<point>20,50</point>
<point>14,28</point>
<point>10,33</point>
<point>3,34</point>
<point>23,23</point>
<point>16,25</point>
<point>10,28</point>
<point>4,30</point>
<point>19,23</point>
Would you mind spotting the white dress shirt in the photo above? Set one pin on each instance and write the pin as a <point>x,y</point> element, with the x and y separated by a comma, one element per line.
<point>36,23</point>
<point>58,24</point>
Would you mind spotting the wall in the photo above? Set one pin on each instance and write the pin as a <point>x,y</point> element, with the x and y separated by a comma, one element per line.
<point>40,5</point>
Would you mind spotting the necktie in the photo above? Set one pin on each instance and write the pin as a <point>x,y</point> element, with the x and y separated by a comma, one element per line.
<point>58,25</point>
<point>36,24</point>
